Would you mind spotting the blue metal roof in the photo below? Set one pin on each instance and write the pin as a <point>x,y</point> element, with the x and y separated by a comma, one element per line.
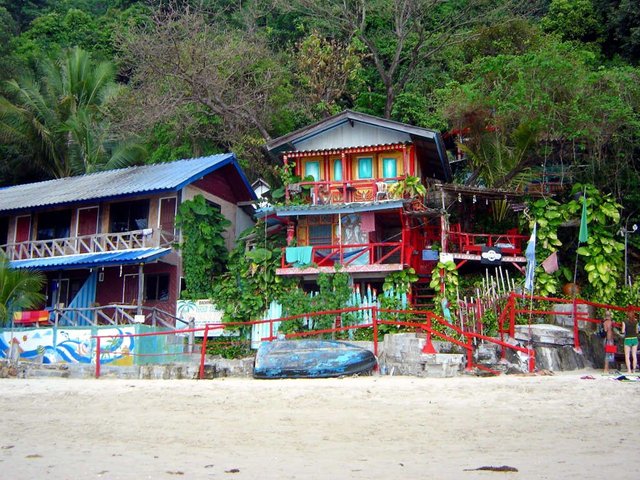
<point>93,260</point>
<point>346,208</point>
<point>161,177</point>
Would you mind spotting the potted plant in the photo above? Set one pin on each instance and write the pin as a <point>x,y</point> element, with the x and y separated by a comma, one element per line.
<point>410,187</point>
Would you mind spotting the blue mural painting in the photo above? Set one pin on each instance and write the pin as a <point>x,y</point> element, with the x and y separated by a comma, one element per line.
<point>69,345</point>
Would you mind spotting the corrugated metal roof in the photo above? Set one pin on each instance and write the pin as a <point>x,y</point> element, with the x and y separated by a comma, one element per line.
<point>92,260</point>
<point>346,208</point>
<point>122,182</point>
<point>341,118</point>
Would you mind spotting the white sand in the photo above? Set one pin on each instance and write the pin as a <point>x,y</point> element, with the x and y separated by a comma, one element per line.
<point>366,428</point>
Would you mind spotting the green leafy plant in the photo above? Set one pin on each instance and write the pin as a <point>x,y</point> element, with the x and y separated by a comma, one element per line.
<point>334,291</point>
<point>409,187</point>
<point>445,281</point>
<point>203,247</point>
<point>549,215</point>
<point>250,282</point>
<point>19,289</point>
<point>602,253</point>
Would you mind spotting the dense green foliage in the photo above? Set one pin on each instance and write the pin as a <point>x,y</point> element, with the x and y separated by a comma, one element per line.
<point>522,87</point>
<point>19,290</point>
<point>203,246</point>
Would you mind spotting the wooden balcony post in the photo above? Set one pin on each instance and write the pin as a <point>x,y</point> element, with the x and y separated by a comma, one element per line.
<point>140,289</point>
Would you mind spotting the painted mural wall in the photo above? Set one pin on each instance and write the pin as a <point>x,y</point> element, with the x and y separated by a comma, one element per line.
<point>75,345</point>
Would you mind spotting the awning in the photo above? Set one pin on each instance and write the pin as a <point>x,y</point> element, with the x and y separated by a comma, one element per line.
<point>92,260</point>
<point>344,209</point>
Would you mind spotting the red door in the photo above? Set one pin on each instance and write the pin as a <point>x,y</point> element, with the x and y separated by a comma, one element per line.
<point>130,289</point>
<point>87,225</point>
<point>167,215</point>
<point>23,235</point>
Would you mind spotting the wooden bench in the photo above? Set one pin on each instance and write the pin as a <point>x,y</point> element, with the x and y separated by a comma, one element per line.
<point>31,317</point>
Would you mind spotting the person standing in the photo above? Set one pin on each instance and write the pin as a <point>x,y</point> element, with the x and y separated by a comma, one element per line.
<point>609,342</point>
<point>630,333</point>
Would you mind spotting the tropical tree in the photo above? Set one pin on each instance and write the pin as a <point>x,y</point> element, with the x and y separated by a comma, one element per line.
<point>401,36</point>
<point>61,119</point>
<point>19,289</point>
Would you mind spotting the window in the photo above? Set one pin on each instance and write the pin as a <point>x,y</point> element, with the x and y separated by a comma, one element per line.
<point>337,170</point>
<point>4,230</point>
<point>320,234</point>
<point>389,168</point>
<point>54,225</point>
<point>312,169</point>
<point>129,216</point>
<point>157,287</point>
<point>365,167</point>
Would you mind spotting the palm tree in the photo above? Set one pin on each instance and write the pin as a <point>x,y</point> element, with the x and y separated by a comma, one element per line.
<point>61,118</point>
<point>19,290</point>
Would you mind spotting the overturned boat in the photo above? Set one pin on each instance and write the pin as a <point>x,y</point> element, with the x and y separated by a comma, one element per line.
<point>311,359</point>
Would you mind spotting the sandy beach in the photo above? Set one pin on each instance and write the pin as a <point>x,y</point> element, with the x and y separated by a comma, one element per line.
<point>546,427</point>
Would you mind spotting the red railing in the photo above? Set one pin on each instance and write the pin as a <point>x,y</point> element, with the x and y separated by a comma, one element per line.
<point>324,192</point>
<point>510,242</point>
<point>577,314</point>
<point>421,320</point>
<point>352,254</point>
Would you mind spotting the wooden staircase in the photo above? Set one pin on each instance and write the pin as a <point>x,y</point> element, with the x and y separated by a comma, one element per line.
<point>422,294</point>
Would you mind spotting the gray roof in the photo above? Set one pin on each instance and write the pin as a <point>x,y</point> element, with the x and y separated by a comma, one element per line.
<point>429,143</point>
<point>110,184</point>
<point>337,208</point>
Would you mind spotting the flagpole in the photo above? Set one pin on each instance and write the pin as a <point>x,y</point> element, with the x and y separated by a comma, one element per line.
<point>530,253</point>
<point>583,236</point>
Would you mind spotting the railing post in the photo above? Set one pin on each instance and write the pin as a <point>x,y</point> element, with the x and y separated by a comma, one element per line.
<point>576,333</point>
<point>98,357</point>
<point>469,366</point>
<point>203,353</point>
<point>192,335</point>
<point>532,360</point>
<point>428,346</point>
<point>374,321</point>
<point>512,315</point>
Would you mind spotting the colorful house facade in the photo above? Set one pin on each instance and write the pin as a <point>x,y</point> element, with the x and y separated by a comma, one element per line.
<point>346,208</point>
<point>110,237</point>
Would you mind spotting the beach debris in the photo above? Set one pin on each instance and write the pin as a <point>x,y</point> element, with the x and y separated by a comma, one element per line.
<point>177,472</point>
<point>34,455</point>
<point>233,470</point>
<point>490,468</point>
<point>7,447</point>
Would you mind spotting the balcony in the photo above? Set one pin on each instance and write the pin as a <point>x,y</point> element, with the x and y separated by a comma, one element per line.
<point>101,242</point>
<point>354,258</point>
<point>510,242</point>
<point>325,192</point>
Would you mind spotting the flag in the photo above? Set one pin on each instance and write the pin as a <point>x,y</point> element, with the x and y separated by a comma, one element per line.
<point>550,264</point>
<point>530,253</point>
<point>584,231</point>
<point>446,313</point>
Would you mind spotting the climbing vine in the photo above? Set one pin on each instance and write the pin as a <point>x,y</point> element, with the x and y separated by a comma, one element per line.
<point>549,215</point>
<point>204,253</point>
<point>445,281</point>
<point>602,253</point>
<point>245,290</point>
